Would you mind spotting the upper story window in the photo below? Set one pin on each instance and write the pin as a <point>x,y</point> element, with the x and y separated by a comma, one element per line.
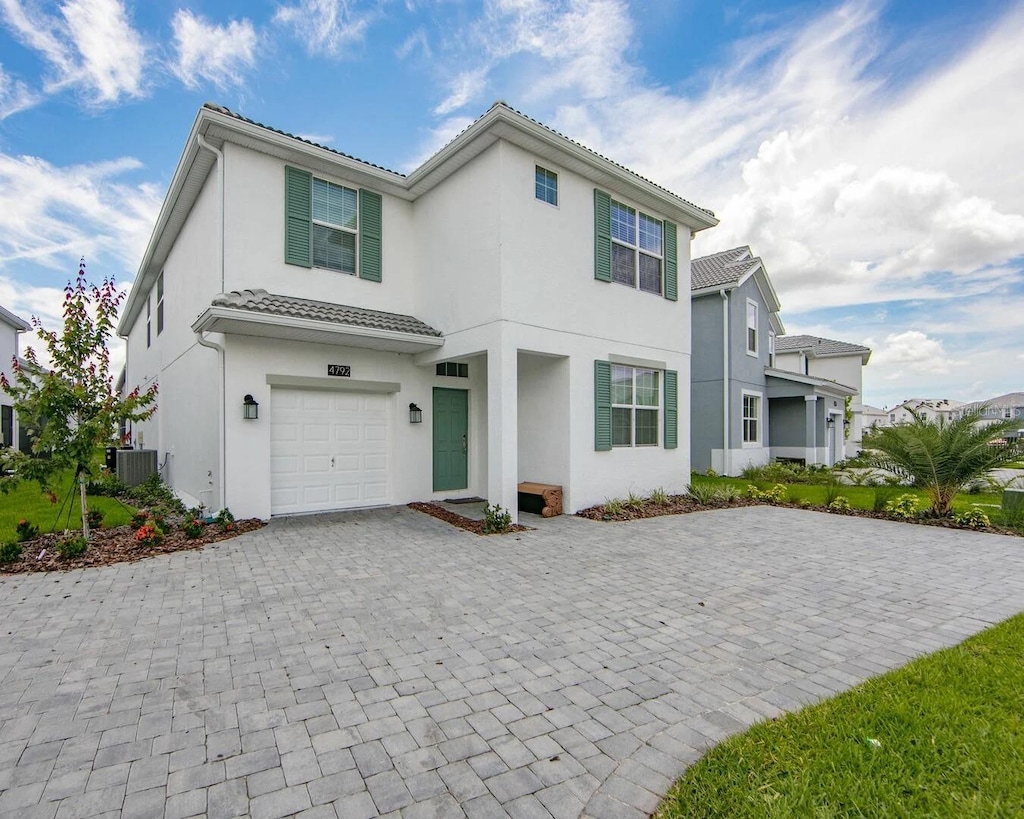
<point>636,394</point>
<point>1007,412</point>
<point>546,186</point>
<point>636,248</point>
<point>771,349</point>
<point>149,324</point>
<point>160,303</point>
<point>751,327</point>
<point>335,224</point>
<point>331,226</point>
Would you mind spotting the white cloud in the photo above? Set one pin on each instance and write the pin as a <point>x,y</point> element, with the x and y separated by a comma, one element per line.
<point>418,39</point>
<point>91,46</point>
<point>15,95</point>
<point>913,351</point>
<point>218,54</point>
<point>327,26</point>
<point>467,86</point>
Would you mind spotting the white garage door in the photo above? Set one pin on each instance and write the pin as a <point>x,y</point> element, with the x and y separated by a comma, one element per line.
<point>328,450</point>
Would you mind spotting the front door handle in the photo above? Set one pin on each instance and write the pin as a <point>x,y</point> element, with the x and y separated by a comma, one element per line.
<point>465,445</point>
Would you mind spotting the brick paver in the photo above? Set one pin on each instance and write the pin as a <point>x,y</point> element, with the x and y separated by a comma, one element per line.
<point>382,662</point>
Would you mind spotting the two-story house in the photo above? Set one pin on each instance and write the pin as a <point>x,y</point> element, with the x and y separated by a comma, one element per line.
<point>746,409</point>
<point>928,409</point>
<point>11,326</point>
<point>836,361</point>
<point>329,334</point>
<point>1001,408</point>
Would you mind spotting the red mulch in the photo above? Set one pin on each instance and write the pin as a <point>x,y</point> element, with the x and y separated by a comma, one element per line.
<point>117,545</point>
<point>470,525</point>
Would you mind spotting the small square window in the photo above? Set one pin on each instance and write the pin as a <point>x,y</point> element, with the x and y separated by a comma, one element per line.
<point>452,369</point>
<point>546,189</point>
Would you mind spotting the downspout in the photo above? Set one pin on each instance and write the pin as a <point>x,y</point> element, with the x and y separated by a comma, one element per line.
<point>726,456</point>
<point>203,341</point>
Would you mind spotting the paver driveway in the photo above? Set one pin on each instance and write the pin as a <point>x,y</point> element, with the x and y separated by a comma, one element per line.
<point>383,662</point>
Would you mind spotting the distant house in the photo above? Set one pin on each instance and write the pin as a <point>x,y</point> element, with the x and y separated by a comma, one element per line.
<point>838,361</point>
<point>1001,408</point>
<point>747,408</point>
<point>872,417</point>
<point>11,326</point>
<point>928,409</point>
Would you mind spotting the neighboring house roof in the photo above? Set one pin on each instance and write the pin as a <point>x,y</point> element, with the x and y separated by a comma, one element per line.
<point>257,312</point>
<point>1011,399</point>
<point>938,404</point>
<point>214,125</point>
<point>815,347</point>
<point>728,269</point>
<point>868,409</point>
<point>17,323</point>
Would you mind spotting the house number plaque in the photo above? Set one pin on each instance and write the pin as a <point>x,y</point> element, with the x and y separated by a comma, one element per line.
<point>343,370</point>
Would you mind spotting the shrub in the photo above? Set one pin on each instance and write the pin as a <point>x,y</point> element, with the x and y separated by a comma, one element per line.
<point>226,520</point>
<point>10,552</point>
<point>140,519</point>
<point>839,504</point>
<point>659,497</point>
<point>496,520</point>
<point>614,506</point>
<point>72,546</point>
<point>193,527</point>
<point>902,508</point>
<point>95,518</point>
<point>149,535</point>
<point>154,492</point>
<point>973,518</point>
<point>727,493</point>
<point>106,484</point>
<point>773,496</point>
<point>635,502</point>
<point>883,494</point>
<point>26,531</point>
<point>832,490</point>
<point>704,492</point>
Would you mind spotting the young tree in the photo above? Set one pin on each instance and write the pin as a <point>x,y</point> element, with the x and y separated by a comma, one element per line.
<point>941,456</point>
<point>72,409</point>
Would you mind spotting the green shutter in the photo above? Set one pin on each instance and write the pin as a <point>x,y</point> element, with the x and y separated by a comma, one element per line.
<point>370,230</point>
<point>671,409</point>
<point>602,236</point>
<point>602,406</point>
<point>298,216</point>
<point>671,267</point>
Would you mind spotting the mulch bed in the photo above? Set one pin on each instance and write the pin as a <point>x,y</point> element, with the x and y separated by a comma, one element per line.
<point>470,525</point>
<point>117,545</point>
<point>683,504</point>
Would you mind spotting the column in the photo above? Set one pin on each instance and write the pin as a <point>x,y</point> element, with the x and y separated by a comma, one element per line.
<point>811,429</point>
<point>503,425</point>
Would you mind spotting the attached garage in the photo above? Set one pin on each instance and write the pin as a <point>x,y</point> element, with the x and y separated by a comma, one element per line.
<point>328,450</point>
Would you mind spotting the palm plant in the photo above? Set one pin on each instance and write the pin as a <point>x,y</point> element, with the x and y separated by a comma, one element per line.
<point>941,457</point>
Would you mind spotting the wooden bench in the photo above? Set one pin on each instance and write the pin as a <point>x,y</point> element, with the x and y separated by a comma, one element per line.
<point>544,499</point>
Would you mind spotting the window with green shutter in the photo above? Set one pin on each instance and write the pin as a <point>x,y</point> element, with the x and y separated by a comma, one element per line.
<point>634,248</point>
<point>627,405</point>
<point>331,226</point>
<point>602,406</point>
<point>671,409</point>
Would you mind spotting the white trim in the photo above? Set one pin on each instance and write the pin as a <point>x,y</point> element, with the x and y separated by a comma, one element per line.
<point>760,419</point>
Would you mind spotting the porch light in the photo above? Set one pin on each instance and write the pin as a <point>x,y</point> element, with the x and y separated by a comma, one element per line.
<point>846,423</point>
<point>831,421</point>
<point>250,408</point>
<point>415,414</point>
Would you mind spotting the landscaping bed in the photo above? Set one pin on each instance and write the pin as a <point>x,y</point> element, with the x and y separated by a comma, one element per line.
<point>470,525</point>
<point>117,545</point>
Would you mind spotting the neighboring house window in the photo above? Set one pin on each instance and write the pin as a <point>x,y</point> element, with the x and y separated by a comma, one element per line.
<point>1007,413</point>
<point>751,418</point>
<point>149,333</point>
<point>160,303</point>
<point>331,226</point>
<point>453,369</point>
<point>546,189</point>
<point>751,327</point>
<point>636,394</point>
<point>771,349</point>
<point>892,417</point>
<point>628,405</point>
<point>634,249</point>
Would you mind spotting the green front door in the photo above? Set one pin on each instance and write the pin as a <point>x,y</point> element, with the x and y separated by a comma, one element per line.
<point>451,427</point>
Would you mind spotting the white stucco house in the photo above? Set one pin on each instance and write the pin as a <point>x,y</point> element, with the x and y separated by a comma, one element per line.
<point>508,311</point>
<point>837,361</point>
<point>11,327</point>
<point>929,409</point>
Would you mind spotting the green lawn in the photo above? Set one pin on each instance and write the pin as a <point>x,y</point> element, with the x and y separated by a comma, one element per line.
<point>941,737</point>
<point>863,497</point>
<point>27,502</point>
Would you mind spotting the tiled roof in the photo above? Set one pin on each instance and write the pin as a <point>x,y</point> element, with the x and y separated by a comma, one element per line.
<point>1011,399</point>
<point>818,346</point>
<point>724,267</point>
<point>260,301</point>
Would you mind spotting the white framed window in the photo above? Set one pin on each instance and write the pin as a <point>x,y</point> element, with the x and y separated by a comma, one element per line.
<point>546,186</point>
<point>1007,412</point>
<point>636,404</point>
<point>637,248</point>
<point>335,226</point>
<point>160,303</point>
<point>751,327</point>
<point>771,349</point>
<point>751,418</point>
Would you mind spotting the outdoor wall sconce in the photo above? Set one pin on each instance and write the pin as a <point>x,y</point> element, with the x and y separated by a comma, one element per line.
<point>415,414</point>
<point>250,408</point>
<point>846,424</point>
<point>831,421</point>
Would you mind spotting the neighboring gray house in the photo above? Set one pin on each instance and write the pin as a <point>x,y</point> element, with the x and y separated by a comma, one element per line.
<point>1001,408</point>
<point>745,409</point>
<point>11,326</point>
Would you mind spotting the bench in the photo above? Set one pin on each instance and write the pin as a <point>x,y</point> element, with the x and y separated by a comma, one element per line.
<point>544,499</point>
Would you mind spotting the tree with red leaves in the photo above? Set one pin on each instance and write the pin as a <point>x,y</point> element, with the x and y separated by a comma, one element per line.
<point>72,409</point>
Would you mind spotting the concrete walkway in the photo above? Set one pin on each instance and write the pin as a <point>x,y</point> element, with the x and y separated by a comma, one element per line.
<point>385,663</point>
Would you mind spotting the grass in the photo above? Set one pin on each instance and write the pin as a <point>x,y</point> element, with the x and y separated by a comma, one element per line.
<point>941,737</point>
<point>28,503</point>
<point>863,497</point>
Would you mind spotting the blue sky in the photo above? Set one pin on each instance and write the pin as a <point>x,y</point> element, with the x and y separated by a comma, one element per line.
<point>869,152</point>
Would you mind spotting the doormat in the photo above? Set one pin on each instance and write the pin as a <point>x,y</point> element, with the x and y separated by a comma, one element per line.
<point>465,500</point>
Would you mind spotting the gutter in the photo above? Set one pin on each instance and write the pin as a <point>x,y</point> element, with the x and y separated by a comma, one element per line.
<point>726,458</point>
